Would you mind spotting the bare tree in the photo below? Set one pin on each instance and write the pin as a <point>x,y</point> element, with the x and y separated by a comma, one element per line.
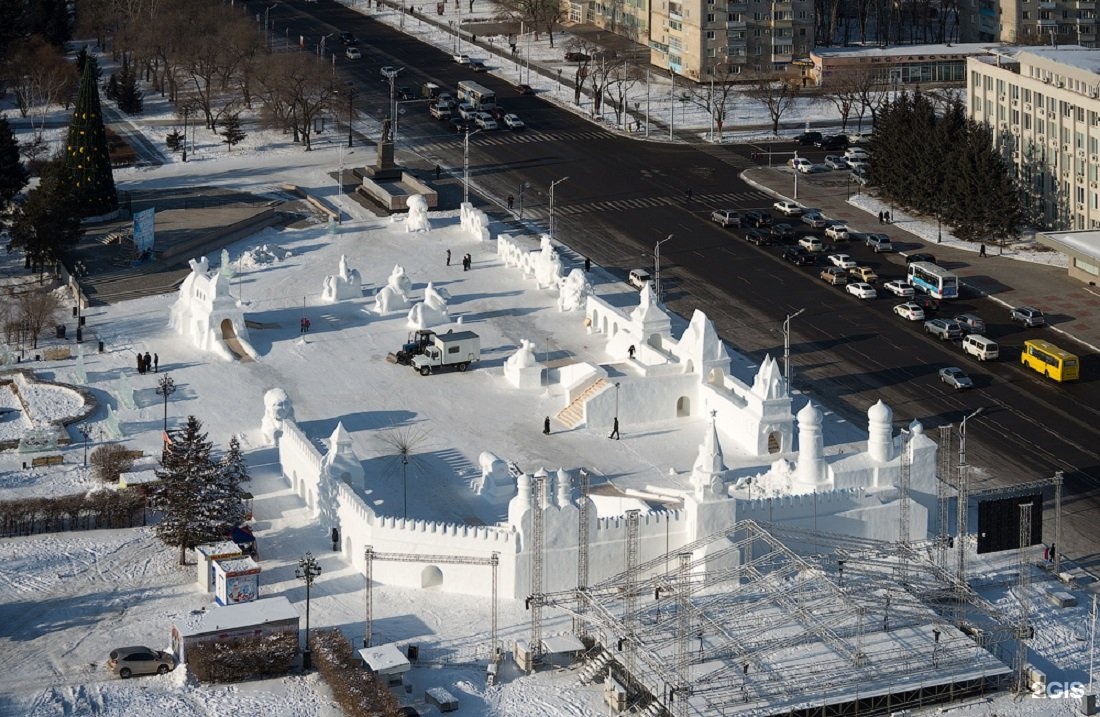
<point>39,76</point>
<point>776,93</point>
<point>586,50</point>
<point>717,97</point>
<point>39,309</point>
<point>869,89</point>
<point>843,93</point>
<point>599,78</point>
<point>307,85</point>
<point>620,80</point>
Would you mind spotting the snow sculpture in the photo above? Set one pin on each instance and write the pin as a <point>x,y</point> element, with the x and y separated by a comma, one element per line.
<point>126,392</point>
<point>226,266</point>
<point>417,220</point>
<point>432,311</point>
<point>767,383</point>
<point>277,410</point>
<point>495,482</point>
<point>810,473</point>
<point>880,432</point>
<point>573,291</point>
<point>521,503</point>
<point>80,372</point>
<point>347,284</point>
<point>112,429</point>
<point>207,315</point>
<point>475,222</point>
<point>708,472</point>
<point>563,482</point>
<point>341,463</point>
<point>522,369</point>
<point>548,268</point>
<point>394,296</point>
<point>399,281</point>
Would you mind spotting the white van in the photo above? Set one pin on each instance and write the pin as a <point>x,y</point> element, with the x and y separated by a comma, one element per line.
<point>980,347</point>
<point>639,278</point>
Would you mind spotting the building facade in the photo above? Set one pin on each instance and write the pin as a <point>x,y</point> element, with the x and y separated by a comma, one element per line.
<point>1043,105</point>
<point>904,66</point>
<point>1029,21</point>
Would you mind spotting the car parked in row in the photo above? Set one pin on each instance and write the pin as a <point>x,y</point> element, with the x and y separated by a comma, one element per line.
<point>797,255</point>
<point>899,287</point>
<point>864,273</point>
<point>726,217</point>
<point>856,153</point>
<point>909,311</point>
<point>782,232</point>
<point>788,208</point>
<point>757,237</point>
<point>833,161</point>
<point>756,218</point>
<point>944,329</point>
<point>842,261</point>
<point>956,378</point>
<point>800,164</point>
<point>1029,316</point>
<point>980,347</point>
<point>128,661</point>
<point>836,141</point>
<point>879,243</point>
<point>861,290</point>
<point>807,138</point>
<point>837,232</point>
<point>834,275</point>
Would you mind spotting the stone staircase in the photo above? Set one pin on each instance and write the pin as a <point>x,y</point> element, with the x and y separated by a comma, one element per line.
<point>594,669</point>
<point>573,415</point>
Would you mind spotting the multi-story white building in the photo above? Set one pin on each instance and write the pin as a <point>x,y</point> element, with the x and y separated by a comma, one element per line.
<point>1043,104</point>
<point>692,37</point>
<point>1059,21</point>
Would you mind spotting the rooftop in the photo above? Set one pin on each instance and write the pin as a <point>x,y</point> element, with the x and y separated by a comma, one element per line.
<point>971,48</point>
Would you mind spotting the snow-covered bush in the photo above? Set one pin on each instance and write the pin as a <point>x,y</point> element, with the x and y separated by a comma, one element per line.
<point>109,461</point>
<point>251,658</point>
<point>359,692</point>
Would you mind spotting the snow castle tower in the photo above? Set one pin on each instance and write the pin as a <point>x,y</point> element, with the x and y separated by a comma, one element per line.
<point>810,473</point>
<point>880,432</point>
<point>341,463</point>
<point>708,473</point>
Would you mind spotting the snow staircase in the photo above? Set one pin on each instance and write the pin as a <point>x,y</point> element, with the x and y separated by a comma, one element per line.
<point>573,415</point>
<point>653,710</point>
<point>595,668</point>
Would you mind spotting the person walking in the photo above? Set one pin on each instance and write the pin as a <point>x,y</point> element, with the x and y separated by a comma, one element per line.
<point>335,539</point>
<point>615,429</point>
<point>141,363</point>
<point>448,257</point>
<point>511,201</point>
<point>546,426</point>
<point>880,218</point>
<point>631,350</point>
<point>438,169</point>
<point>981,251</point>
<point>886,216</point>
<point>689,194</point>
<point>587,265</point>
<point>156,363</point>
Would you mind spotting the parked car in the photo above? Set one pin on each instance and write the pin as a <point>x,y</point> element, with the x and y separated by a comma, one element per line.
<point>980,347</point>
<point>788,208</point>
<point>352,53</point>
<point>808,138</point>
<point>944,329</point>
<point>815,219</point>
<point>801,164</point>
<point>811,168</point>
<point>836,141</point>
<point>797,255</point>
<point>920,257</point>
<point>833,275</point>
<point>478,66</point>
<point>899,287</point>
<point>457,125</point>
<point>512,121</point>
<point>485,121</point>
<point>842,261</point>
<point>909,311</point>
<point>856,153</point>
<point>128,661</point>
<point>782,232</point>
<point>811,243</point>
<point>861,290</point>
<point>524,89</point>
<point>973,323</point>
<point>461,59</point>
<point>639,278</point>
<point>879,243</point>
<point>726,217</point>
<point>1029,316</point>
<point>864,273</point>
<point>859,137</point>
<point>931,306</point>
<point>576,57</point>
<point>833,161</point>
<point>756,218</point>
<point>837,232</point>
<point>439,111</point>
<point>956,378</point>
<point>757,237</point>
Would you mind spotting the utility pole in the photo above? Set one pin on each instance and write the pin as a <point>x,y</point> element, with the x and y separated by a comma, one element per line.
<point>787,351</point>
<point>552,185</point>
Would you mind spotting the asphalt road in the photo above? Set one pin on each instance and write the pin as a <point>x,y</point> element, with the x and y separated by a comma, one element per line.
<point>623,195</point>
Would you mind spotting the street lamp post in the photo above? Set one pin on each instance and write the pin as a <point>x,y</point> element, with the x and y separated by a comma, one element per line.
<point>391,75</point>
<point>522,189</point>
<point>307,570</point>
<point>85,431</point>
<point>939,229</point>
<point>267,26</point>
<point>796,175</point>
<point>671,104</point>
<point>647,103</point>
<point>166,387</point>
<point>787,352</point>
<point>185,112</point>
<point>657,266</point>
<point>552,185</point>
<point>351,110</point>
<point>466,165</point>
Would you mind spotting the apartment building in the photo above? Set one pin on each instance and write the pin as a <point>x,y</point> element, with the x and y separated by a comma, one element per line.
<point>1029,21</point>
<point>1043,104</point>
<point>692,37</point>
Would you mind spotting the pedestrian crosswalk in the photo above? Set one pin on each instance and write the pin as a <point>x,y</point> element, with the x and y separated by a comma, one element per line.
<point>497,139</point>
<point>745,200</point>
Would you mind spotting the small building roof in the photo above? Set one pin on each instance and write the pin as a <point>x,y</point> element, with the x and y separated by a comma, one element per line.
<point>237,566</point>
<point>226,548</point>
<point>556,644</point>
<point>222,618</point>
<point>385,659</point>
<point>970,48</point>
<point>1083,243</point>
<point>137,477</point>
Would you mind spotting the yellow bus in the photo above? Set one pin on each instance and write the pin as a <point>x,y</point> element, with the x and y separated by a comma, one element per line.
<point>1051,361</point>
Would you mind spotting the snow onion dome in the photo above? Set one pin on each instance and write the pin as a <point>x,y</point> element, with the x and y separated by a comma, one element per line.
<point>811,447</point>
<point>880,432</point>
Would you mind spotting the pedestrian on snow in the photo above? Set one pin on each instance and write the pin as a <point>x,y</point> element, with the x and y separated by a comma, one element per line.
<point>1046,552</point>
<point>1052,552</point>
<point>473,39</point>
<point>631,351</point>
<point>141,364</point>
<point>880,218</point>
<point>587,265</point>
<point>438,169</point>
<point>981,251</point>
<point>886,216</point>
<point>335,538</point>
<point>448,257</point>
<point>156,363</point>
<point>511,200</point>
<point>689,193</point>
<point>546,426</point>
<point>304,324</point>
<point>148,362</point>
<point>615,429</point>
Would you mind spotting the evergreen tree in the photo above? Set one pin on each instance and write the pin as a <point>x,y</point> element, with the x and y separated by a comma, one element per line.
<point>13,174</point>
<point>87,159</point>
<point>233,468</point>
<point>129,97</point>
<point>231,130</point>
<point>81,58</point>
<point>189,494</point>
<point>50,219</point>
<point>51,19</point>
<point>110,89</point>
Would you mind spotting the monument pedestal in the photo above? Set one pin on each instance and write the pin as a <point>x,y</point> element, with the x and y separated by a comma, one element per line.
<point>384,166</point>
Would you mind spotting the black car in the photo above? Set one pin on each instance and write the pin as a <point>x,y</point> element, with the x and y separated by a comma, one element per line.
<point>920,257</point>
<point>524,89</point>
<point>836,141</point>
<point>576,57</point>
<point>757,237</point>
<point>347,38</point>
<point>782,232</point>
<point>458,125</point>
<point>756,218</point>
<point>931,306</point>
<point>797,255</point>
<point>478,66</point>
<point>808,138</point>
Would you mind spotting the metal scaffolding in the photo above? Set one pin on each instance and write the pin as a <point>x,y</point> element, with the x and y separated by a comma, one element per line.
<point>906,508</point>
<point>583,544</point>
<point>538,547</point>
<point>630,590</point>
<point>1023,594</point>
<point>943,535</point>
<point>493,561</point>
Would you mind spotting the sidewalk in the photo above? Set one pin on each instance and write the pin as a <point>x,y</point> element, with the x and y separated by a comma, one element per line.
<point>1072,308</point>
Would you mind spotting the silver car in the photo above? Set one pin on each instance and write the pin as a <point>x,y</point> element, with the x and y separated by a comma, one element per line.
<point>1029,316</point>
<point>128,661</point>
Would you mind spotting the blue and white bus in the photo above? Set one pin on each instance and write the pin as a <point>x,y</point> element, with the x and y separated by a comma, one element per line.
<point>482,98</point>
<point>933,280</point>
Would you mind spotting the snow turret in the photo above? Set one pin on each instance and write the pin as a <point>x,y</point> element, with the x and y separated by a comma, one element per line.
<point>341,463</point>
<point>708,472</point>
<point>879,432</point>
<point>811,448</point>
<point>518,506</point>
<point>648,317</point>
<point>768,383</point>
<point>564,483</point>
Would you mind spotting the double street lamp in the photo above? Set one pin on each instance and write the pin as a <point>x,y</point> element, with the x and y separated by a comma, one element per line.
<point>308,569</point>
<point>166,387</point>
<point>552,185</point>
<point>657,266</point>
<point>466,168</point>
<point>787,352</point>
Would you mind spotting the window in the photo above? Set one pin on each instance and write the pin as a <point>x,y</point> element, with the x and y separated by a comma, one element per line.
<point>1025,15</point>
<point>710,17</point>
<point>710,34</point>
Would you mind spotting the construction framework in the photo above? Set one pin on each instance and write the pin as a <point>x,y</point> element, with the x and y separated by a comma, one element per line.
<point>493,561</point>
<point>766,631</point>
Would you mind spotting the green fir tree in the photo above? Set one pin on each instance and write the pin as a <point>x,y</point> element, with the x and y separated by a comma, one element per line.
<point>231,131</point>
<point>87,159</point>
<point>13,174</point>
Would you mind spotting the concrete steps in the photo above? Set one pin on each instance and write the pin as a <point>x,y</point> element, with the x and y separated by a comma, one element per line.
<point>573,415</point>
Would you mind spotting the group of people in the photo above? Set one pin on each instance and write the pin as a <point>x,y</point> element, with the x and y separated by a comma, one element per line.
<point>884,217</point>
<point>467,260</point>
<point>147,363</point>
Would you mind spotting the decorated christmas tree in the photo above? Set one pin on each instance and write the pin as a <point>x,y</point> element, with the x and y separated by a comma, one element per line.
<point>87,161</point>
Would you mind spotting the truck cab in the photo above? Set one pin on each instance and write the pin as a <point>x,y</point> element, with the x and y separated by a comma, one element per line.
<point>454,348</point>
